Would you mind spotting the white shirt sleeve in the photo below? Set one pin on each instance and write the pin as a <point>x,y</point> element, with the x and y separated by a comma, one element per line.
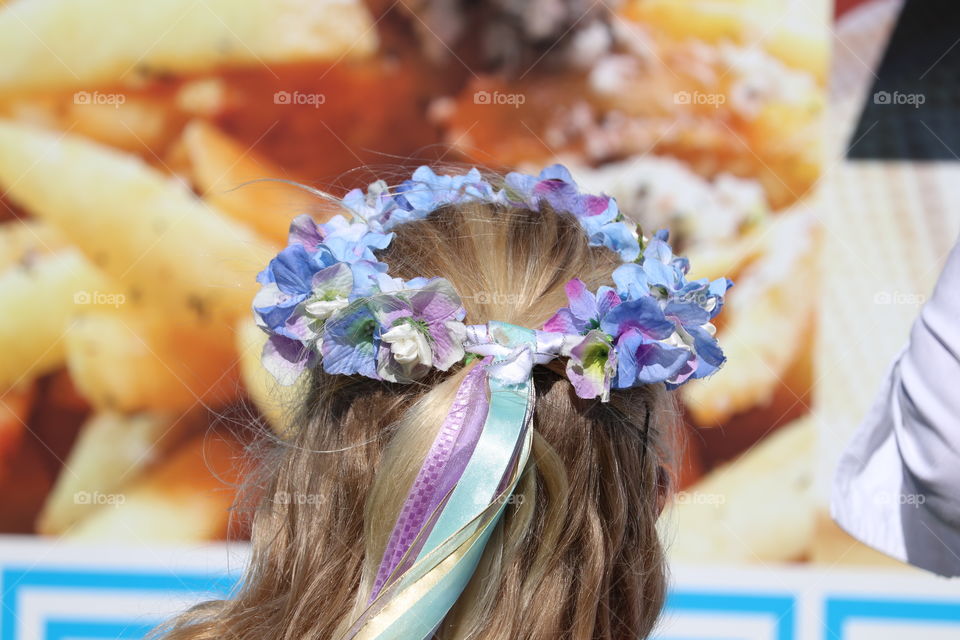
<point>897,486</point>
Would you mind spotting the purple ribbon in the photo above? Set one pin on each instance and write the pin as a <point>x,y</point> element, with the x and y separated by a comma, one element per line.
<point>442,468</point>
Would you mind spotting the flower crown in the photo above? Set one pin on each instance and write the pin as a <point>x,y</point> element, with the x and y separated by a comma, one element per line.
<point>326,298</point>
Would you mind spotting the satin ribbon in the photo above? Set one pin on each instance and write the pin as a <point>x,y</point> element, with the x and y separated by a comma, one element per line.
<point>442,468</point>
<point>514,360</point>
<point>416,594</point>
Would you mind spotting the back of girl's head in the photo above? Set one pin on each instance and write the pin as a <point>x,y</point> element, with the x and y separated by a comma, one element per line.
<point>576,553</point>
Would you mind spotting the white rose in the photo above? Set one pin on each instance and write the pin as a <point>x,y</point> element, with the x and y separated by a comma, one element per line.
<point>408,345</point>
<point>323,309</point>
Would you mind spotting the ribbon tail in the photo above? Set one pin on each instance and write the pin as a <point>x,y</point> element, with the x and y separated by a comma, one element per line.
<point>415,603</point>
<point>442,468</point>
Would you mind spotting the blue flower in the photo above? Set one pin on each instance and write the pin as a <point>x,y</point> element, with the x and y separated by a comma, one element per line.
<point>642,315</point>
<point>372,206</point>
<point>643,360</point>
<point>352,241</point>
<point>351,339</point>
<point>426,191</point>
<point>287,281</point>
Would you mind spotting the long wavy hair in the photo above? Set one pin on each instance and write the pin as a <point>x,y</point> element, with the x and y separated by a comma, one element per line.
<point>576,554</point>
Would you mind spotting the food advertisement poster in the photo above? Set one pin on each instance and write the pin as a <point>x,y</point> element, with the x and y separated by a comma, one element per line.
<point>152,155</point>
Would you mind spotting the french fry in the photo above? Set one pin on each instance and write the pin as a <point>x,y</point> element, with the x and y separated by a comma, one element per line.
<point>21,239</point>
<point>164,245</point>
<point>32,342</point>
<point>757,508</point>
<point>235,181</point>
<point>274,401</point>
<point>133,122</point>
<point>112,449</point>
<point>142,121</point>
<point>63,44</point>
<point>184,499</point>
<point>776,292</point>
<point>131,361</point>
<point>14,408</point>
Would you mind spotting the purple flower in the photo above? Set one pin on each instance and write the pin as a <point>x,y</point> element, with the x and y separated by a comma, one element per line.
<point>598,214</point>
<point>584,310</point>
<point>286,359</point>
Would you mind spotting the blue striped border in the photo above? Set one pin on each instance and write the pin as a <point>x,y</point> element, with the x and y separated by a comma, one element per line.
<point>781,607</point>
<point>15,579</point>
<point>839,611</point>
<point>61,629</point>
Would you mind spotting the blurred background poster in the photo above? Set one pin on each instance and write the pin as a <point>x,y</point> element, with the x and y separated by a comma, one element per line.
<point>778,140</point>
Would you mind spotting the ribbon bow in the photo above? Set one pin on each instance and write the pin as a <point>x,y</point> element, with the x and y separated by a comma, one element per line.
<point>514,361</point>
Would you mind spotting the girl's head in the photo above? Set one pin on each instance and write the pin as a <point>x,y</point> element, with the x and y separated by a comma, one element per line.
<point>575,553</point>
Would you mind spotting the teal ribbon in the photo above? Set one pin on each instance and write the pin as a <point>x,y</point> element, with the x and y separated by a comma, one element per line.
<point>503,448</point>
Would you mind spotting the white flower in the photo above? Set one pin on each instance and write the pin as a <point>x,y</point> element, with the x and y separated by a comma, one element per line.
<point>408,345</point>
<point>323,309</point>
<point>680,338</point>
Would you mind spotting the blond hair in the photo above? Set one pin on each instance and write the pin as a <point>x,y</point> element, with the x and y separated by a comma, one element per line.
<point>576,554</point>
